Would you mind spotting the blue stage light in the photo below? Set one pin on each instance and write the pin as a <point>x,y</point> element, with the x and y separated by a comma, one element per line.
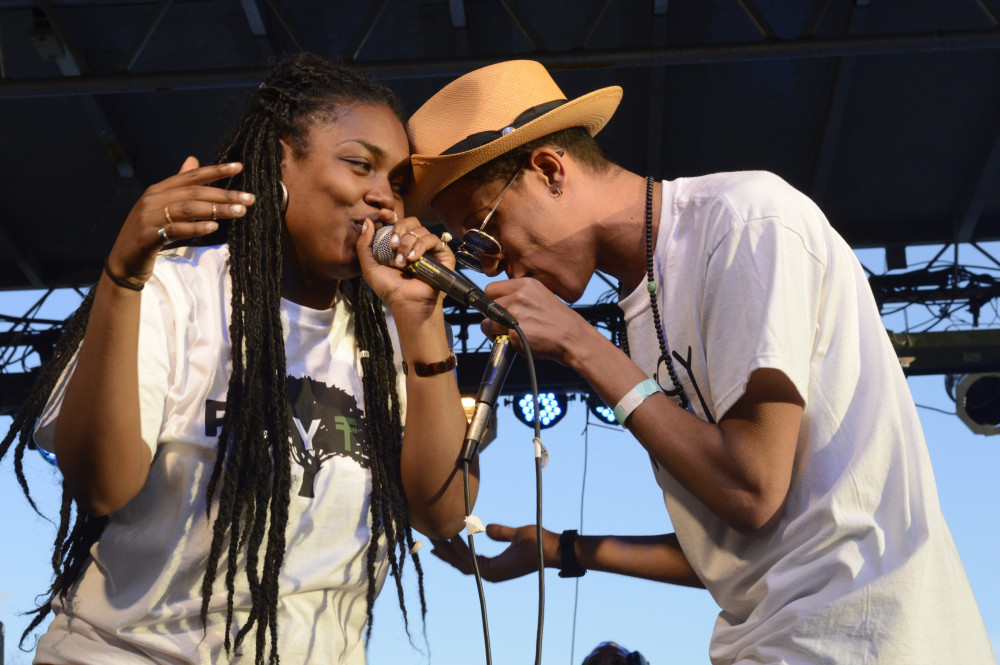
<point>551,406</point>
<point>601,411</point>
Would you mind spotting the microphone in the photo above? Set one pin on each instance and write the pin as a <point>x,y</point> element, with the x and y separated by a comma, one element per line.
<point>431,272</point>
<point>493,378</point>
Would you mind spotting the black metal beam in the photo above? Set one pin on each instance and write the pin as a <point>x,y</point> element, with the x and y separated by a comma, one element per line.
<point>288,23</point>
<point>955,352</point>
<point>757,18</point>
<point>141,38</point>
<point>552,377</point>
<point>596,12</point>
<point>788,49</point>
<point>981,179</point>
<point>522,23</point>
<point>353,49</point>
<point>840,90</point>
<point>14,390</point>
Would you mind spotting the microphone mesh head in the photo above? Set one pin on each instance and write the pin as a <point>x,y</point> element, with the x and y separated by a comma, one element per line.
<point>380,245</point>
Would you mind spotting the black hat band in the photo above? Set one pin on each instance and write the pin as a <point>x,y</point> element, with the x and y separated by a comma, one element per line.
<point>479,139</point>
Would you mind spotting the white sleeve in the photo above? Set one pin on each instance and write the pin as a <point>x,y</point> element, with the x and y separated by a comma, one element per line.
<point>154,362</point>
<point>46,426</point>
<point>760,307</point>
<point>157,355</point>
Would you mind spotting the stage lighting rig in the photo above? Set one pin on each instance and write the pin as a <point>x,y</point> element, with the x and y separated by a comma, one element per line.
<point>977,400</point>
<point>551,407</point>
<point>604,413</point>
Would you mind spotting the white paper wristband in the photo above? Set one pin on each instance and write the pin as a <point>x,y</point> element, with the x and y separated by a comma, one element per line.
<point>634,398</point>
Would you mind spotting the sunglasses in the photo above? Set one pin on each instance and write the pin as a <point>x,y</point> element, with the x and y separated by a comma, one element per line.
<point>476,243</point>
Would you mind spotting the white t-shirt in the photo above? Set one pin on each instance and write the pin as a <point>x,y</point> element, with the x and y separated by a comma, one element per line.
<point>861,567</point>
<point>138,601</point>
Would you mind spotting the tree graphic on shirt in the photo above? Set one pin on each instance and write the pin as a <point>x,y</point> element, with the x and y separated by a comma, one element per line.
<point>326,422</point>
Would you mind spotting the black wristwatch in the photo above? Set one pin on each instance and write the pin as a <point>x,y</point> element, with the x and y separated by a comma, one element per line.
<point>568,565</point>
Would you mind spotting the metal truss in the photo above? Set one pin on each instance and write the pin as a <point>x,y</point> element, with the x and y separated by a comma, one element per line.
<point>29,341</point>
<point>944,292</point>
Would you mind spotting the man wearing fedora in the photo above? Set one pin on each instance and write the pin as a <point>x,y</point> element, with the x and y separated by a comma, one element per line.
<point>755,372</point>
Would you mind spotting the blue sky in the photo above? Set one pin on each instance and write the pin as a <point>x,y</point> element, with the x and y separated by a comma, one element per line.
<point>595,472</point>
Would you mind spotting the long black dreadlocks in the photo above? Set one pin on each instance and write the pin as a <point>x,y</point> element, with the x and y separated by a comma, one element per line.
<point>251,478</point>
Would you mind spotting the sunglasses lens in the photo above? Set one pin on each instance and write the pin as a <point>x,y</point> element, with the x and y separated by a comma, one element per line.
<point>475,243</point>
<point>468,260</point>
<point>480,243</point>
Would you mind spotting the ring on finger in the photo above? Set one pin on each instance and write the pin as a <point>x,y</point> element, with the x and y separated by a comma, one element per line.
<point>411,233</point>
<point>162,234</point>
<point>446,237</point>
<point>166,214</point>
<point>214,211</point>
<point>395,217</point>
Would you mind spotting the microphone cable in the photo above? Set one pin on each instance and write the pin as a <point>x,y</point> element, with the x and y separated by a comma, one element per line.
<point>540,455</point>
<point>475,564</point>
<point>583,494</point>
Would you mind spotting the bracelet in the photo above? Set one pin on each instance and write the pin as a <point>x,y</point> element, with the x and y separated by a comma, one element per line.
<point>634,398</point>
<point>568,564</point>
<point>124,283</point>
<point>433,369</point>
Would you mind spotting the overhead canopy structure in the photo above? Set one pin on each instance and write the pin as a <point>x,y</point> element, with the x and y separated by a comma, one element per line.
<point>885,113</point>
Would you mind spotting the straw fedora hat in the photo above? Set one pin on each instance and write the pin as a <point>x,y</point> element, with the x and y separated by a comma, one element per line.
<point>487,112</point>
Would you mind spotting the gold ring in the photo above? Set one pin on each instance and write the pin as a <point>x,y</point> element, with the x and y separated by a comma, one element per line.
<point>411,233</point>
<point>441,246</point>
<point>446,237</point>
<point>166,214</point>
<point>213,212</point>
<point>162,233</point>
<point>395,217</point>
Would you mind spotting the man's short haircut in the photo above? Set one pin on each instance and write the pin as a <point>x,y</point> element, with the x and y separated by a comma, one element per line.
<point>576,141</point>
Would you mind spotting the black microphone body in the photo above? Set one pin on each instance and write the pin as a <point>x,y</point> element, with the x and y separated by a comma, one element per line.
<point>489,390</point>
<point>431,272</point>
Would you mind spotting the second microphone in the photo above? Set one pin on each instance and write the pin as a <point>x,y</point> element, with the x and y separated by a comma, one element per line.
<point>443,279</point>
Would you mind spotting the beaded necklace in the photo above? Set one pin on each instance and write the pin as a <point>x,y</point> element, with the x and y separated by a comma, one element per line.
<point>651,288</point>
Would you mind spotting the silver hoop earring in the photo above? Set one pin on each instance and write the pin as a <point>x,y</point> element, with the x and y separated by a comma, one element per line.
<point>284,196</point>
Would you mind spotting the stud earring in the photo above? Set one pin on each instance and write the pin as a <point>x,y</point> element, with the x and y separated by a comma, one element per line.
<point>557,193</point>
<point>284,196</point>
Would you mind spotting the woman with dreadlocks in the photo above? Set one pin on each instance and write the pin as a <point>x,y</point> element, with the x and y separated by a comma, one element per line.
<point>231,429</point>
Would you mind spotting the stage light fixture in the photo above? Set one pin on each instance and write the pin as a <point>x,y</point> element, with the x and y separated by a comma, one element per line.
<point>551,407</point>
<point>977,402</point>
<point>601,411</point>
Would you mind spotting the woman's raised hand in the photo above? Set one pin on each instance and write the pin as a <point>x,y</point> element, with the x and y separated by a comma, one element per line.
<point>409,242</point>
<point>182,206</point>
